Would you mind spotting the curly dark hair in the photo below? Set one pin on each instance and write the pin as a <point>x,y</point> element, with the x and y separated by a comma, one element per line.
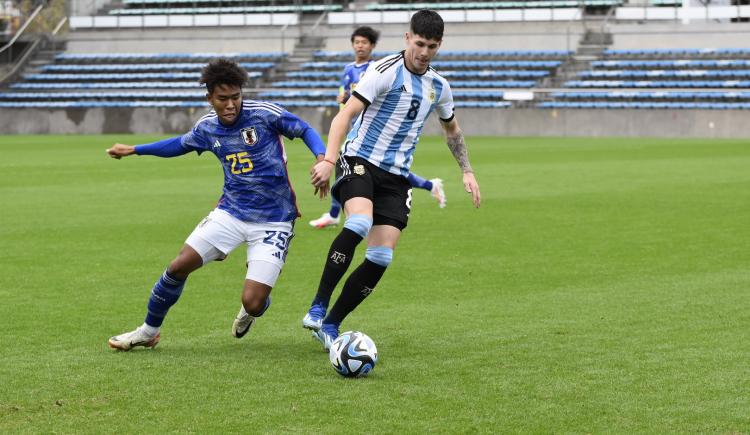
<point>427,24</point>
<point>223,72</point>
<point>368,32</point>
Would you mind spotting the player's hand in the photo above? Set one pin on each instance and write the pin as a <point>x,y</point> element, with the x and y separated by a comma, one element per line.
<point>119,151</point>
<point>471,186</point>
<point>320,174</point>
<point>322,191</point>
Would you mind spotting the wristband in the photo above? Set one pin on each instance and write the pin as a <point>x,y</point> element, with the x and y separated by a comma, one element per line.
<point>326,160</point>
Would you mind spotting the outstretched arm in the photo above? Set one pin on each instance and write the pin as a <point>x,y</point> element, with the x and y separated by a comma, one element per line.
<point>171,147</point>
<point>457,145</point>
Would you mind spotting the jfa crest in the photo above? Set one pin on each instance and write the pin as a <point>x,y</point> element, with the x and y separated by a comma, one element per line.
<point>249,136</point>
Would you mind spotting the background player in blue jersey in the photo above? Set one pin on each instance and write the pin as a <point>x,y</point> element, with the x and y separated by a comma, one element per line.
<point>399,92</point>
<point>258,206</point>
<point>363,41</point>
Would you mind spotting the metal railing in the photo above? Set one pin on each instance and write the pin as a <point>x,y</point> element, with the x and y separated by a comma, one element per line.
<point>30,50</point>
<point>8,48</point>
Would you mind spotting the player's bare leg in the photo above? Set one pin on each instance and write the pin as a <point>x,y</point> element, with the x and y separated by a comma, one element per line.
<point>165,293</point>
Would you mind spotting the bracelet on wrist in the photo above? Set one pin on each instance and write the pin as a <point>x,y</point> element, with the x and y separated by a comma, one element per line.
<point>326,160</point>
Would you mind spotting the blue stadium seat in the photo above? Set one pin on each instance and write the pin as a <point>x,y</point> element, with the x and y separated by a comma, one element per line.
<point>664,73</point>
<point>657,84</point>
<point>102,95</point>
<point>166,56</point>
<point>250,66</point>
<point>649,64</point>
<point>643,105</point>
<point>106,85</point>
<point>479,54</point>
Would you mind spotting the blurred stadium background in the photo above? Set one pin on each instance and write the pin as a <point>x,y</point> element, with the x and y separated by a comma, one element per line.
<point>675,68</point>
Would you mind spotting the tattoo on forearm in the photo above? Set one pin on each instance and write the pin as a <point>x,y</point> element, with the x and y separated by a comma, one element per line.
<point>458,148</point>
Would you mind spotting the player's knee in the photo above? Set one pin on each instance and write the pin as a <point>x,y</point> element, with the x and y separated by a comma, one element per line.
<point>178,269</point>
<point>380,255</point>
<point>186,263</point>
<point>359,223</point>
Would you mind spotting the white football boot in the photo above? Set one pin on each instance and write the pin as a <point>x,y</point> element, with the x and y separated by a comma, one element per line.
<point>132,339</point>
<point>242,323</point>
<point>437,191</point>
<point>325,221</point>
<point>314,317</point>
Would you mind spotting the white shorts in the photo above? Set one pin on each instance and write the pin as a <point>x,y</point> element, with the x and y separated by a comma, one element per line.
<point>267,243</point>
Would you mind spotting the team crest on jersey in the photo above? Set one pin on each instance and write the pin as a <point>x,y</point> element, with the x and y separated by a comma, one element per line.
<point>249,136</point>
<point>431,94</point>
<point>359,169</point>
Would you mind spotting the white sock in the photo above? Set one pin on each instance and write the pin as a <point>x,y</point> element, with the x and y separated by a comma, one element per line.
<point>149,330</point>
<point>242,311</point>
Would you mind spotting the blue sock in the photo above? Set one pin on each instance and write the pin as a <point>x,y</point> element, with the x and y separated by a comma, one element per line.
<point>165,293</point>
<point>265,307</point>
<point>335,208</point>
<point>419,182</point>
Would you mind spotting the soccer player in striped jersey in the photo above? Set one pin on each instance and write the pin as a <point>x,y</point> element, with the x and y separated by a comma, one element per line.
<point>363,41</point>
<point>258,206</point>
<point>391,104</point>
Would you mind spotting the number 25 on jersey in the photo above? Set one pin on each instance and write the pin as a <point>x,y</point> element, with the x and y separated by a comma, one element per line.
<point>240,163</point>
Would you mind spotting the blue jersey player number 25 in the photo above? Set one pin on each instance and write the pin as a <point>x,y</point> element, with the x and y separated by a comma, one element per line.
<point>257,206</point>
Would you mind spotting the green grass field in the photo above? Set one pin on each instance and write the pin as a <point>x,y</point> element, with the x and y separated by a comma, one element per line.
<point>602,287</point>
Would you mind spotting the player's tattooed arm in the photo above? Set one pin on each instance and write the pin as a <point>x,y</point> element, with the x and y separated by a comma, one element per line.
<point>457,145</point>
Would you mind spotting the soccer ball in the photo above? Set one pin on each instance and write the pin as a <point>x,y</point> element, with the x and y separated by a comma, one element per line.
<point>353,354</point>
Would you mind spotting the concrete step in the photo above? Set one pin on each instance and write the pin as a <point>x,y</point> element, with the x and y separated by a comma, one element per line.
<point>299,59</point>
<point>306,49</point>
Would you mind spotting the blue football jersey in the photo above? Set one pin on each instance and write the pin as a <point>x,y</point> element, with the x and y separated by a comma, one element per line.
<point>251,152</point>
<point>352,74</point>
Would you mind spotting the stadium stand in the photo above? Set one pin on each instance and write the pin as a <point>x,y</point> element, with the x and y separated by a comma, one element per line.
<point>680,71</point>
<point>198,7</point>
<point>152,79</point>
<point>477,77</point>
<point>506,54</point>
<point>533,4</point>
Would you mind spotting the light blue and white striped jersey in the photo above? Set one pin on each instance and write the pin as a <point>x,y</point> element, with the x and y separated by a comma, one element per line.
<point>397,102</point>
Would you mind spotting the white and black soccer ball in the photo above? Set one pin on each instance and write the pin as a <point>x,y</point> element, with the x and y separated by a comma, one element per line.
<point>353,354</point>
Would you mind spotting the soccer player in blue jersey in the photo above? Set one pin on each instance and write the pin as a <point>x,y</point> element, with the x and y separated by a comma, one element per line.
<point>363,41</point>
<point>398,93</point>
<point>258,206</point>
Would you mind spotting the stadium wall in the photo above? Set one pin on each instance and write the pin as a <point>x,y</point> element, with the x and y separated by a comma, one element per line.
<point>475,122</point>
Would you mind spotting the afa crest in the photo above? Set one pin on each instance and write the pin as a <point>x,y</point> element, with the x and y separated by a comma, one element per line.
<point>431,94</point>
<point>249,136</point>
<point>359,169</point>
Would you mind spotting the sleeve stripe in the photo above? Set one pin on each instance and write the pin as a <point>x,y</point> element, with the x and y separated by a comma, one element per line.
<point>453,115</point>
<point>389,63</point>
<point>361,98</point>
<point>205,118</point>
<point>273,108</point>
